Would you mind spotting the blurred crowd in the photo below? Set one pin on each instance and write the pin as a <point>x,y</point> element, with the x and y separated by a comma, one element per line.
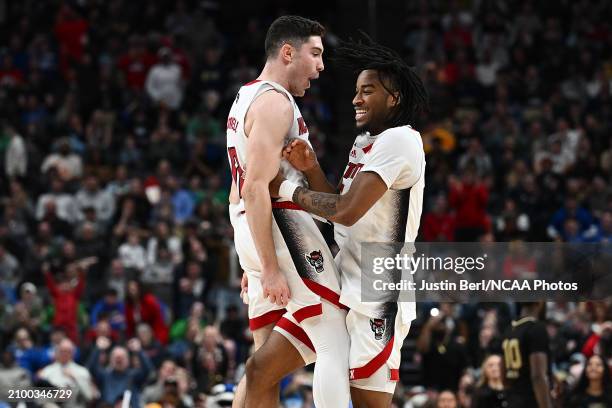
<point>115,244</point>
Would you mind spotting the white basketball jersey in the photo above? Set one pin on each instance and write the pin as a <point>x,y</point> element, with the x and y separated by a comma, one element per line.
<point>237,138</point>
<point>397,156</point>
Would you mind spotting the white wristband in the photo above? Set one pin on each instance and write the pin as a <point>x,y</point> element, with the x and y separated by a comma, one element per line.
<point>286,189</point>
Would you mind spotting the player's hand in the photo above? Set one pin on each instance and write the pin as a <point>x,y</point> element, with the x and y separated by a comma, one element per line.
<point>103,343</point>
<point>244,289</point>
<point>300,155</point>
<point>275,287</point>
<point>275,185</point>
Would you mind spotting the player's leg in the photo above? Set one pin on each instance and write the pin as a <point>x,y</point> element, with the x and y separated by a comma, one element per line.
<point>370,399</point>
<point>331,341</point>
<point>263,316</point>
<point>312,277</point>
<point>375,356</point>
<point>259,338</point>
<point>266,368</point>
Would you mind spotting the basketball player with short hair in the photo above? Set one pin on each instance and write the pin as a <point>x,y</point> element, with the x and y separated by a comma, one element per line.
<point>379,199</point>
<point>526,351</point>
<point>289,266</point>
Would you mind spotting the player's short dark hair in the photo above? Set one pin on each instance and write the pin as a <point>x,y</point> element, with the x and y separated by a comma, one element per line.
<point>294,30</point>
<point>395,75</point>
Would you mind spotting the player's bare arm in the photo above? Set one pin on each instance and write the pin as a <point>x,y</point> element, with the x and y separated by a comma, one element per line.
<point>538,367</point>
<point>267,123</point>
<point>346,209</point>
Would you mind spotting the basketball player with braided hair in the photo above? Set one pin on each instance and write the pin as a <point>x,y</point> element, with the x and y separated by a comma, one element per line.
<point>379,199</point>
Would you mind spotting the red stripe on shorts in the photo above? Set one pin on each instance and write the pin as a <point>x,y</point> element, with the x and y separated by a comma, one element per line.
<point>367,370</point>
<point>308,311</point>
<point>326,293</point>
<point>394,374</point>
<point>266,319</point>
<point>296,331</point>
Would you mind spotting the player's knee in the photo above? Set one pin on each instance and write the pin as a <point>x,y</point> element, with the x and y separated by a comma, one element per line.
<point>255,372</point>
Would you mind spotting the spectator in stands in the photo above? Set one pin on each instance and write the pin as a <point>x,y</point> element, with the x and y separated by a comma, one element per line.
<point>573,210</point>
<point>594,387</point>
<point>191,288</point>
<point>172,380</point>
<point>160,273</point>
<point>196,315</point>
<point>65,373</point>
<point>164,83</point>
<point>153,392</point>
<point>447,399</point>
<point>132,253</point>
<point>490,389</point>
<point>26,354</point>
<point>469,198</point>
<point>604,230</point>
<point>32,301</point>
<point>9,270</point>
<point>444,358</point>
<point>135,64</point>
<point>111,308</point>
<point>141,306</point>
<point>476,156</point>
<point>16,155</point>
<point>116,278</point>
<point>164,236</point>
<point>150,345</point>
<point>233,328</point>
<point>439,224</point>
<point>57,204</point>
<point>12,376</point>
<point>210,361</point>
<point>10,76</point>
<point>92,196</point>
<point>119,377</point>
<point>66,297</point>
<point>67,165</point>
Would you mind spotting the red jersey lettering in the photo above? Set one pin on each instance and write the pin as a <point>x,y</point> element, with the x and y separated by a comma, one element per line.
<point>232,124</point>
<point>302,126</point>
<point>352,169</point>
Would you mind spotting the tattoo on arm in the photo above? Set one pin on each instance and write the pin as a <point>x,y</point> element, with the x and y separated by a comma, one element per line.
<point>321,204</point>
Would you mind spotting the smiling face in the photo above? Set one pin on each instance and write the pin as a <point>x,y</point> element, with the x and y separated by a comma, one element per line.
<point>595,368</point>
<point>372,102</point>
<point>492,368</point>
<point>305,64</point>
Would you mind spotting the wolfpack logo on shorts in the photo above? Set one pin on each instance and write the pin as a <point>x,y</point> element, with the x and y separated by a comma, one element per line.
<point>378,327</point>
<point>315,259</point>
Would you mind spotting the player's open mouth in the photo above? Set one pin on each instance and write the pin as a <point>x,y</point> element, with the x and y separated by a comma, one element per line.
<point>359,113</point>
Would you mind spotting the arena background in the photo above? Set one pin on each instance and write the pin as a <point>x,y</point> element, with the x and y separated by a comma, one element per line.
<point>104,181</point>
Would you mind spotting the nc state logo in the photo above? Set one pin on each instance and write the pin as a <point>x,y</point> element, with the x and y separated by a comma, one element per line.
<point>315,259</point>
<point>378,327</point>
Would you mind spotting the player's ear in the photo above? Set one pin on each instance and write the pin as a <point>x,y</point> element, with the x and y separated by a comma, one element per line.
<point>286,52</point>
<point>393,100</point>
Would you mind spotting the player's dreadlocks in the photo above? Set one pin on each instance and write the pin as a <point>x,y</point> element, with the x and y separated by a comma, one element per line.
<point>392,69</point>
